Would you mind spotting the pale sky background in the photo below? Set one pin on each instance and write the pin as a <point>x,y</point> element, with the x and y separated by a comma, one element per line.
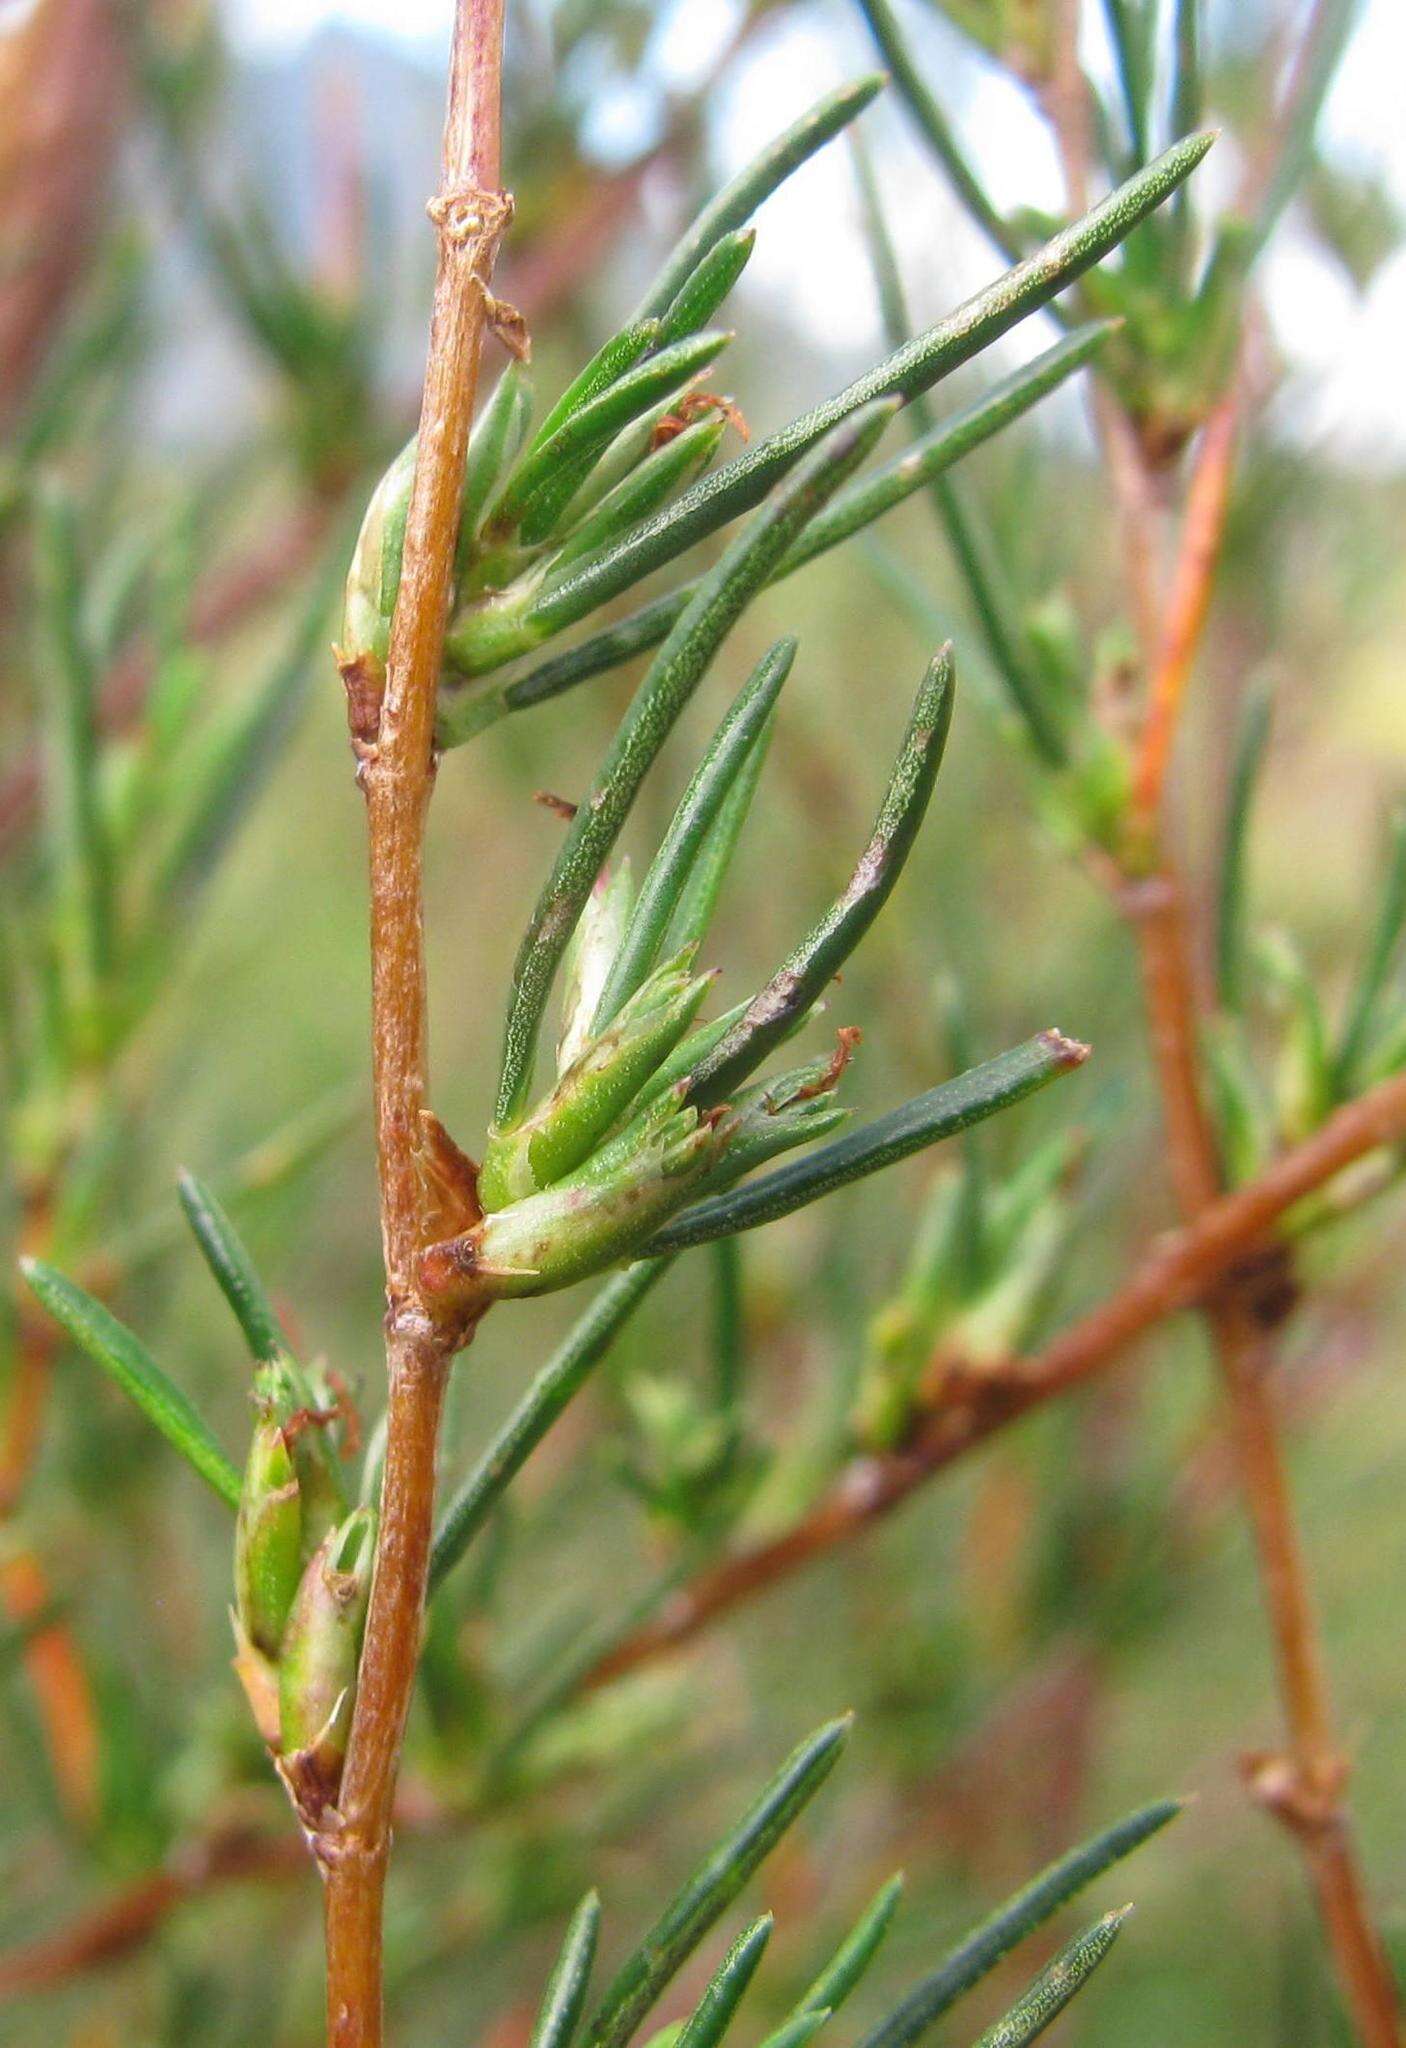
<point>1348,350</point>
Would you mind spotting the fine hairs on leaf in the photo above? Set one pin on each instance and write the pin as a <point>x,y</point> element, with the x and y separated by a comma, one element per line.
<point>1052,1990</point>
<point>979,1954</point>
<point>687,1919</point>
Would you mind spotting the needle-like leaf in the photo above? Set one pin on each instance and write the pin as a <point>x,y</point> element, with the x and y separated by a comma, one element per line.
<point>498,434</point>
<point>987,1944</point>
<point>109,1344</point>
<point>702,293</point>
<point>855,1953</point>
<point>673,676</point>
<point>546,478</point>
<point>668,469</point>
<point>799,2031</point>
<point>936,129</point>
<point>738,201</point>
<point>796,986</point>
<point>715,2010</point>
<point>934,452</point>
<point>919,364</point>
<point>698,809</point>
<point>1251,743</point>
<point>976,558</point>
<point>565,1996</point>
<point>1376,963</point>
<point>74,813</point>
<point>222,784</point>
<point>554,1387</point>
<point>610,361</point>
<point>713,1887</point>
<point>693,915</point>
<point>232,1267</point>
<point>1052,1990</point>
<point>939,1113</point>
<point>1130,27</point>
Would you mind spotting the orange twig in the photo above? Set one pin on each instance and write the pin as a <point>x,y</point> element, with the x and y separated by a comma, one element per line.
<point>60,1684</point>
<point>1180,1270</point>
<point>1188,601</point>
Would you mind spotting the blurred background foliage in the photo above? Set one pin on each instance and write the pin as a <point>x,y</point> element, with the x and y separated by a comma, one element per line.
<point>211,313</point>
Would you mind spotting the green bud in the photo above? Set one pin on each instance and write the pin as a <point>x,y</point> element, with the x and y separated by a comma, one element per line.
<point>590,956</point>
<point>320,1484</point>
<point>374,577</point>
<point>583,1224</point>
<point>321,1646</point>
<point>595,1091</point>
<point>268,1538</point>
<point>498,434</point>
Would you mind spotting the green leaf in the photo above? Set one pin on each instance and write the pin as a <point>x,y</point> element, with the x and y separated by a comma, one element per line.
<point>920,363</point>
<point>232,1267</point>
<point>545,479</point>
<point>799,2031</point>
<point>738,201</point>
<point>796,986</point>
<point>938,1114</point>
<point>120,1354</point>
<point>1055,1986</point>
<point>1130,25</point>
<point>1315,66</point>
<point>934,451</point>
<point>715,2010</point>
<point>222,785</point>
<point>73,810</point>
<point>566,1987</point>
<point>641,493</point>
<point>552,1390</point>
<point>1186,94</point>
<point>698,809</point>
<point>1251,743</point>
<point>1376,963</point>
<point>855,1953</point>
<point>976,558</point>
<point>673,676</point>
<point>701,295</point>
<point>498,434</point>
<point>1020,1916</point>
<point>693,914</point>
<point>610,361</point>
<point>936,129</point>
<point>713,1887</point>
<point>944,443</point>
<point>566,1127</point>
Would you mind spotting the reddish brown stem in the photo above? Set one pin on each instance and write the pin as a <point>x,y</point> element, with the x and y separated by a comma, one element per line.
<point>1178,1271</point>
<point>124,1923</point>
<point>1188,601</point>
<point>397,766</point>
<point>1304,1786</point>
